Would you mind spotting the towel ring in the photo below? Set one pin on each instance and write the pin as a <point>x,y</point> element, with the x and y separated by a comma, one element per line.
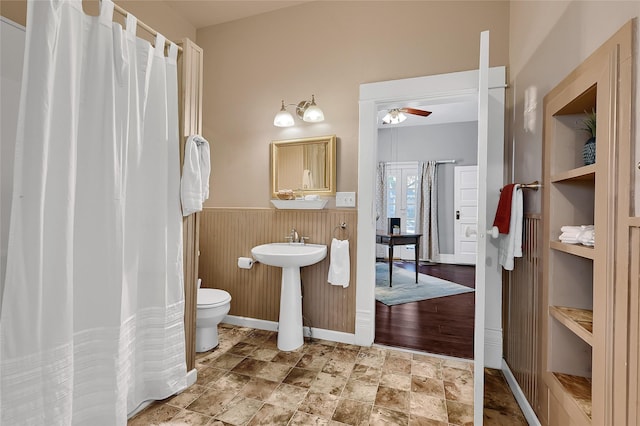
<point>341,227</point>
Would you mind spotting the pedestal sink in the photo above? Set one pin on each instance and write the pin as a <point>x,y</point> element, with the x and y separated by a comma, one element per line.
<point>290,257</point>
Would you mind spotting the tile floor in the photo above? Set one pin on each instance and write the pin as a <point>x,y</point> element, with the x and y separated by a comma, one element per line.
<point>247,381</point>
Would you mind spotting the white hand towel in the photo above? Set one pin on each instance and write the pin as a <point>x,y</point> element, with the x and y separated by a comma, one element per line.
<point>511,244</point>
<point>194,186</point>
<point>340,265</point>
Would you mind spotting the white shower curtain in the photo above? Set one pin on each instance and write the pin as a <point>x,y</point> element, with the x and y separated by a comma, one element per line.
<point>92,316</point>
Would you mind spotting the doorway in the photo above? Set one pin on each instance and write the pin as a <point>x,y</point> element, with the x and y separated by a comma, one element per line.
<point>453,87</point>
<point>434,324</point>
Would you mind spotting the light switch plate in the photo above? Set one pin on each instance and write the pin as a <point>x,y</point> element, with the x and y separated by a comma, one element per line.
<point>345,199</point>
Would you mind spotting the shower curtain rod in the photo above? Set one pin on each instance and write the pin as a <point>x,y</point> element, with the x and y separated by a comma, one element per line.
<point>144,26</point>
<point>411,162</point>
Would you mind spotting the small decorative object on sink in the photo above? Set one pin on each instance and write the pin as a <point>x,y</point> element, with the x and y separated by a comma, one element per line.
<point>589,149</point>
<point>285,194</point>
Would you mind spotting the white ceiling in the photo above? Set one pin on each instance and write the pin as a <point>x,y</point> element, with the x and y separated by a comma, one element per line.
<point>204,13</point>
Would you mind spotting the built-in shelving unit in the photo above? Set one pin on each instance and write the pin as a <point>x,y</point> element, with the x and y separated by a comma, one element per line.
<point>578,301</point>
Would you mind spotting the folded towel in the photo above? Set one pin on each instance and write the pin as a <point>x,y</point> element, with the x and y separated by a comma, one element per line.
<point>194,186</point>
<point>511,244</point>
<point>340,265</point>
<point>503,212</point>
<point>312,197</point>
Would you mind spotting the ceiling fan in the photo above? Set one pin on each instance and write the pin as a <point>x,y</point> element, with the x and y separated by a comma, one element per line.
<point>397,115</point>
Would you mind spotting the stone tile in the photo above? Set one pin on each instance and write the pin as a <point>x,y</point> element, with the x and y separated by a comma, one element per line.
<point>458,376</point>
<point>257,388</point>
<point>429,386</point>
<point>189,418</point>
<point>312,361</point>
<point>426,368</point>
<point>230,383</point>
<point>427,358</point>
<point>327,383</point>
<point>423,421</point>
<point>186,397</point>
<point>239,411</point>
<point>226,361</point>
<point>249,367</point>
<point>458,363</point>
<point>304,419</point>
<point>288,358</point>
<point>318,349</point>
<point>396,381</point>
<point>300,377</point>
<point>371,359</point>
<point>352,412</point>
<point>392,353</point>
<point>381,416</point>
<point>320,404</point>
<point>264,354</point>
<point>242,349</point>
<point>493,417</point>
<point>363,373</point>
<point>209,375</point>
<point>459,413</point>
<point>454,391</point>
<point>344,354</point>
<point>154,415</point>
<point>287,396</point>
<point>338,368</point>
<point>397,365</point>
<point>272,415</point>
<point>427,406</point>
<point>211,402</point>
<point>274,371</point>
<point>393,399</point>
<point>340,345</point>
<point>360,391</point>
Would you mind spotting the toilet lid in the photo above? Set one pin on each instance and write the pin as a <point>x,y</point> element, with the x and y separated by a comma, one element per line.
<point>212,296</point>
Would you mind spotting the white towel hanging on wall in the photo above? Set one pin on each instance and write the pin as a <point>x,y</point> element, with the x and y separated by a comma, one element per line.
<point>340,264</point>
<point>194,186</point>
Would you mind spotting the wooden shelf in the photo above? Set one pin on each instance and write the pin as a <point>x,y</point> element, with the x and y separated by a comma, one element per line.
<point>579,321</point>
<point>575,394</point>
<point>575,249</point>
<point>584,173</point>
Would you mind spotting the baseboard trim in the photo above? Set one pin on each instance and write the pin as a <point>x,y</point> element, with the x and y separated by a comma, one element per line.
<point>522,401</point>
<point>492,348</point>
<point>317,333</point>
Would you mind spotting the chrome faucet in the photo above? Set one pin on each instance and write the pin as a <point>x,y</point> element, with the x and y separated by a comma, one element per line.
<point>295,238</point>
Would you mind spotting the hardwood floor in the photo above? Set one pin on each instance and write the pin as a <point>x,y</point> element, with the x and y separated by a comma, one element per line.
<point>442,326</point>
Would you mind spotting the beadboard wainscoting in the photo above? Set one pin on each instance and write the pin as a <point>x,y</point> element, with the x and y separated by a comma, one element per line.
<point>521,316</point>
<point>226,234</point>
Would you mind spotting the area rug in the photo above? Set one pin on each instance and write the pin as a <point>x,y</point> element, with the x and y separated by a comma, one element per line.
<point>406,290</point>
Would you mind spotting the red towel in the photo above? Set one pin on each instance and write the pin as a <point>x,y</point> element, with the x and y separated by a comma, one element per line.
<point>503,212</point>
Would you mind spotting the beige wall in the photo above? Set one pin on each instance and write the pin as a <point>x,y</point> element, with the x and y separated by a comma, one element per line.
<point>328,49</point>
<point>547,41</point>
<point>153,13</point>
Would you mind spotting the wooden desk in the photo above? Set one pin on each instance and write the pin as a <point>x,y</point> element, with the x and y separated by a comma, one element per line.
<point>399,240</point>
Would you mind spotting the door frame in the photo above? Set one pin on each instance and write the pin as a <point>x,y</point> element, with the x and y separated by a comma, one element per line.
<point>452,87</point>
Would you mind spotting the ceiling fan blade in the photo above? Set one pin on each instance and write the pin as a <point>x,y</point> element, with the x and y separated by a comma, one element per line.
<point>416,111</point>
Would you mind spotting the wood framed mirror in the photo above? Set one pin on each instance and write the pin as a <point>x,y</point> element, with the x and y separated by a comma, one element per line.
<point>306,166</point>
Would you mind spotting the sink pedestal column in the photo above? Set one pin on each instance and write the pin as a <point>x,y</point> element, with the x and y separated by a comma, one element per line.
<point>290,334</point>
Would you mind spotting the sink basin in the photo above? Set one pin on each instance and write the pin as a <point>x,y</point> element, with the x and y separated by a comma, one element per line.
<point>290,257</point>
<point>287,255</point>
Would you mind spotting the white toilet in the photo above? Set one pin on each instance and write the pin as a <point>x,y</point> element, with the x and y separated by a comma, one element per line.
<point>213,306</point>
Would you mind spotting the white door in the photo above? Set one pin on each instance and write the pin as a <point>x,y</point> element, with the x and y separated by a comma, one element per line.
<point>465,201</point>
<point>402,180</point>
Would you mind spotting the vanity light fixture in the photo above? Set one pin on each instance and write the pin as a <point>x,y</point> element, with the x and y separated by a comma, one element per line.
<point>305,110</point>
<point>394,116</point>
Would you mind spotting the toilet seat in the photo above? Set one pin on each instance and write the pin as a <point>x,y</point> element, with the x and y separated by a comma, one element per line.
<point>212,297</point>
